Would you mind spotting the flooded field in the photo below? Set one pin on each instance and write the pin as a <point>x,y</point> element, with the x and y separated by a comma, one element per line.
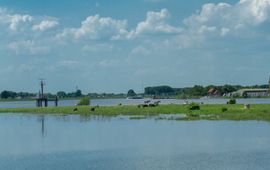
<point>118,143</point>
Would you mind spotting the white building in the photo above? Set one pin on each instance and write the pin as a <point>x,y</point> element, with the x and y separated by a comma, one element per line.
<point>252,92</point>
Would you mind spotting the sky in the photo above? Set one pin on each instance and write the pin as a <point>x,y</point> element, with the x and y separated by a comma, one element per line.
<point>113,46</point>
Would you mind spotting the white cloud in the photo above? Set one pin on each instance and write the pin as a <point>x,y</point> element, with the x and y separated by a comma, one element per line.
<point>21,33</point>
<point>207,40</point>
<point>213,20</point>
<point>16,20</point>
<point>156,22</point>
<point>226,18</point>
<point>257,10</point>
<point>44,25</point>
<point>96,27</point>
<point>108,63</point>
<point>27,47</point>
<point>204,29</point>
<point>67,64</point>
<point>224,31</point>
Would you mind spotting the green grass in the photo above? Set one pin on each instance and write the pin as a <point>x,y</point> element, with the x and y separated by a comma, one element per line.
<point>206,112</point>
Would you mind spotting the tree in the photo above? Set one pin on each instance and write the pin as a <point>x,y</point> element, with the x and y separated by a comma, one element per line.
<point>61,94</point>
<point>159,90</point>
<point>131,93</point>
<point>227,89</point>
<point>8,94</point>
<point>198,91</point>
<point>78,93</point>
<point>5,94</point>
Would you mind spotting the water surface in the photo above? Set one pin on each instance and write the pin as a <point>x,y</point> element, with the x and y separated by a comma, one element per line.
<point>114,102</point>
<point>74,142</point>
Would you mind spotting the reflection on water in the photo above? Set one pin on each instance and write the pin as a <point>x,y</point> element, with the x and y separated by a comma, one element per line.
<point>42,120</point>
<point>115,102</point>
<point>80,142</point>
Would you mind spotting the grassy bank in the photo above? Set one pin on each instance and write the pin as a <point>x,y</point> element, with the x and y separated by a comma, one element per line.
<point>206,112</point>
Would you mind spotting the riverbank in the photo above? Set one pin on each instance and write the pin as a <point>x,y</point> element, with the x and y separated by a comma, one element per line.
<point>207,112</point>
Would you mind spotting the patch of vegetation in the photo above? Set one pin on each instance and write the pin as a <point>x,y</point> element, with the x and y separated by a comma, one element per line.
<point>224,109</point>
<point>84,101</point>
<point>137,117</point>
<point>131,93</point>
<point>232,101</point>
<point>194,106</point>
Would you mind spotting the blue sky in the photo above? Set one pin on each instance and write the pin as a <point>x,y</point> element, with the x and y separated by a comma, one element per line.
<point>113,46</point>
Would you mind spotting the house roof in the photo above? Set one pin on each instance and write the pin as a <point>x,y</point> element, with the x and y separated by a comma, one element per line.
<point>212,90</point>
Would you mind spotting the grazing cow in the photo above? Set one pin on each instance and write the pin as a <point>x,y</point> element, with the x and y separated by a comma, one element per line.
<point>147,101</point>
<point>92,109</point>
<point>75,109</point>
<point>145,105</point>
<point>152,105</point>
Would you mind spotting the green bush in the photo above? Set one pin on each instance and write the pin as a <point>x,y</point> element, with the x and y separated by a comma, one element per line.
<point>194,106</point>
<point>231,101</point>
<point>84,101</point>
<point>224,109</point>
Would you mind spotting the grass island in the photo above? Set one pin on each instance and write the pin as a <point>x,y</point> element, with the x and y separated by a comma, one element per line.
<point>260,112</point>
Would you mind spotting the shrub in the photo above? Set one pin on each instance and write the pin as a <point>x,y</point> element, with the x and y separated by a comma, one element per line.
<point>231,101</point>
<point>84,102</point>
<point>131,93</point>
<point>194,115</point>
<point>224,109</point>
<point>194,106</point>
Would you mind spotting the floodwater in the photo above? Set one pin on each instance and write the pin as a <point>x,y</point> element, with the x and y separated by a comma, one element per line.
<point>33,142</point>
<point>114,102</point>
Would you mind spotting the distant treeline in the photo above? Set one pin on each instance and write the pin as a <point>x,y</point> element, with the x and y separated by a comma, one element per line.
<point>186,92</point>
<point>196,91</point>
<point>61,94</point>
<point>25,95</point>
<point>10,94</point>
<point>78,93</point>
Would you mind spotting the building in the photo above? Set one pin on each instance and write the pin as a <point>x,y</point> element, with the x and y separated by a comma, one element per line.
<point>212,92</point>
<point>258,92</point>
<point>252,92</point>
